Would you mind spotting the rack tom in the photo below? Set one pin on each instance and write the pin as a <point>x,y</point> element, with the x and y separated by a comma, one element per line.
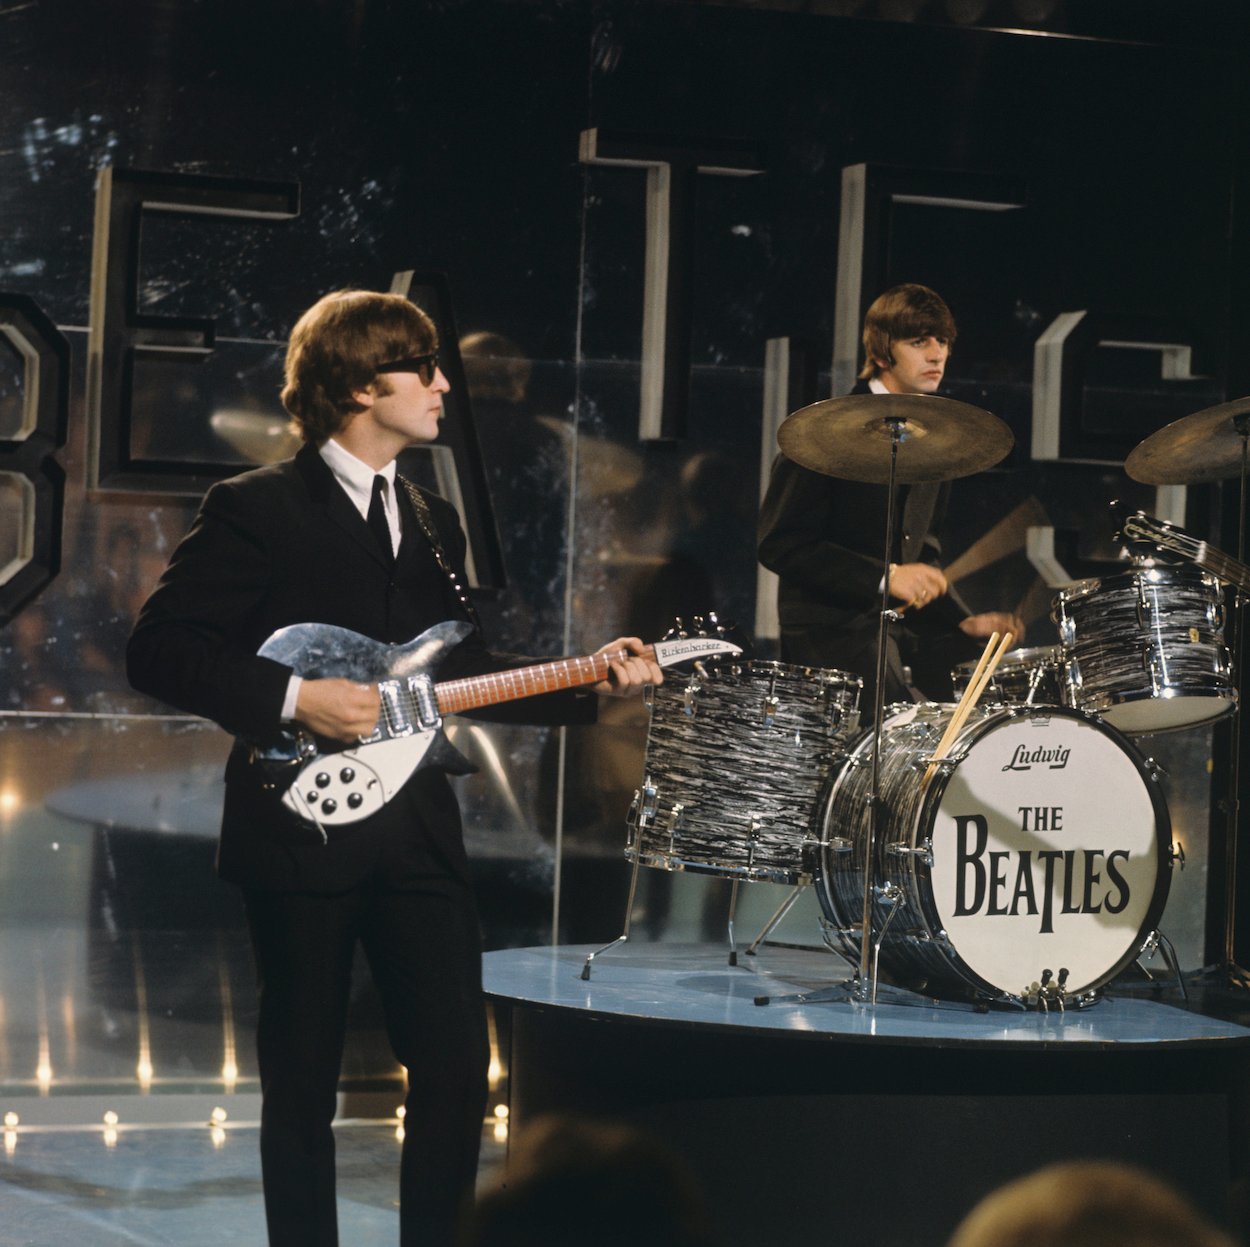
<point>738,757</point>
<point>1144,650</point>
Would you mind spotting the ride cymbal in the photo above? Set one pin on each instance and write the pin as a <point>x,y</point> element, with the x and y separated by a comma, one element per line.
<point>1206,446</point>
<point>850,438</point>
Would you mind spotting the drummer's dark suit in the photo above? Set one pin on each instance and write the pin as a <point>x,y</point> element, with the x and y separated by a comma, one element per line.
<point>283,545</point>
<point>825,537</point>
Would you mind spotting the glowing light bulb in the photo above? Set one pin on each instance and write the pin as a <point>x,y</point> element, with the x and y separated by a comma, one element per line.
<point>110,1118</point>
<point>11,1121</point>
<point>217,1116</point>
<point>501,1112</point>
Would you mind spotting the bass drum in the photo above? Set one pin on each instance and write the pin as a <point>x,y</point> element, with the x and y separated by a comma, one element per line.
<point>1039,853</point>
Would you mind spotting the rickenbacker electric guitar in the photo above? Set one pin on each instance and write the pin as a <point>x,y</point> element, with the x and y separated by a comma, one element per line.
<point>329,786</point>
<point>1145,528</point>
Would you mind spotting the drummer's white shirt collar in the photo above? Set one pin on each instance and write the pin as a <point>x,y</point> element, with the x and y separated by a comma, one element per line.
<point>877,386</point>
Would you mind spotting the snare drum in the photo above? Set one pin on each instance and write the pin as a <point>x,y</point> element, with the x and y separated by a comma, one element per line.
<point>1024,677</point>
<point>1145,649</point>
<point>737,759</point>
<point>1041,844</point>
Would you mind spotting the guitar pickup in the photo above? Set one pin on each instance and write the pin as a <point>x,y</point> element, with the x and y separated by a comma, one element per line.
<point>421,688</point>
<point>409,706</point>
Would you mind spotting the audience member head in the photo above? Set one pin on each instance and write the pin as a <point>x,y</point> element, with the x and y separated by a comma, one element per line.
<point>572,1180</point>
<point>1086,1204</point>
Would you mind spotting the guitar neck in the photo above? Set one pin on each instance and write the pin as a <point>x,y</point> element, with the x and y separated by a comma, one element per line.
<point>474,692</point>
<point>1219,564</point>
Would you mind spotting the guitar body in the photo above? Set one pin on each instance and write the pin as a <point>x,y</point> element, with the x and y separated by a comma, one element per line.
<point>333,787</point>
<point>329,785</point>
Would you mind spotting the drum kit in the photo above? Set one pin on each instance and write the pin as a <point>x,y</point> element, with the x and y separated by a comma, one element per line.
<point>1015,849</point>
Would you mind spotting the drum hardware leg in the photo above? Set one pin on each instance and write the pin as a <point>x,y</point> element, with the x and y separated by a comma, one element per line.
<point>782,909</point>
<point>733,910</point>
<point>891,894</point>
<point>624,935</point>
<point>1156,941</point>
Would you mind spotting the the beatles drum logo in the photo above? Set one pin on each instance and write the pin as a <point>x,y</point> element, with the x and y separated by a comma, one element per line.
<point>1011,882</point>
<point>1046,852</point>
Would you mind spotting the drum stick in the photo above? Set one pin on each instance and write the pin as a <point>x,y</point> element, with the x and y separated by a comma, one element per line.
<point>995,648</point>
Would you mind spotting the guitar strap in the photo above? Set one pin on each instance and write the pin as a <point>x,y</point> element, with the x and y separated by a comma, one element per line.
<point>426,523</point>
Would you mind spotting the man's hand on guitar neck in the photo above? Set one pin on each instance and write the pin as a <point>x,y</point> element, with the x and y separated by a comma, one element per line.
<point>338,709</point>
<point>628,675</point>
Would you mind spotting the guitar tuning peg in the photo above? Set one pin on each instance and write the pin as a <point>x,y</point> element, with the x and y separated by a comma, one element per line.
<point>713,621</point>
<point>698,625</point>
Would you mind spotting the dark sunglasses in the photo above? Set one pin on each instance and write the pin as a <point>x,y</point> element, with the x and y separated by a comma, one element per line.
<point>423,365</point>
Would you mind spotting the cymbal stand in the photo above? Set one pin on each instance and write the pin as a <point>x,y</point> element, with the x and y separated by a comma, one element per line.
<point>867,985</point>
<point>863,986</point>
<point>1235,975</point>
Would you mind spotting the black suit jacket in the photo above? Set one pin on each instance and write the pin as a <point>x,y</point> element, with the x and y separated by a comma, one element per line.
<point>283,545</point>
<point>825,539</point>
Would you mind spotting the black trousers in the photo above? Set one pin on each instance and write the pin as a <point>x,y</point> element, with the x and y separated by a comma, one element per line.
<point>423,946</point>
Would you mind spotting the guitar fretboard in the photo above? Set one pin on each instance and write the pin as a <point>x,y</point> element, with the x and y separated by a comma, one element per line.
<point>550,677</point>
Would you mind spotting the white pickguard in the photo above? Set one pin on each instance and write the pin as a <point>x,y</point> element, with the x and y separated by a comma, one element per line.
<point>338,788</point>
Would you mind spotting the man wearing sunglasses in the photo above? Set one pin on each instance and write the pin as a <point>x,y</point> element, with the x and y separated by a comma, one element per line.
<point>335,537</point>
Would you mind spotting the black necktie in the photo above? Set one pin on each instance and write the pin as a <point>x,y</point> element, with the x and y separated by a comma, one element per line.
<point>377,518</point>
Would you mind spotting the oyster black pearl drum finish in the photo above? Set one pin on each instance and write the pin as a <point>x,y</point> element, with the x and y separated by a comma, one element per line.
<point>1024,677</point>
<point>1039,853</point>
<point>1145,649</point>
<point>738,758</point>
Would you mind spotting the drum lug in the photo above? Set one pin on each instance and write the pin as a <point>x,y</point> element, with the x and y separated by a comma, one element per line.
<point>768,711</point>
<point>646,802</point>
<point>1177,853</point>
<point>690,698</point>
<point>923,852</point>
<point>1154,768</point>
<point>836,844</point>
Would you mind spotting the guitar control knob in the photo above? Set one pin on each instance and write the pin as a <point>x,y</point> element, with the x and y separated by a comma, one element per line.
<point>354,801</point>
<point>312,797</point>
<point>347,774</point>
<point>329,806</point>
<point>322,780</point>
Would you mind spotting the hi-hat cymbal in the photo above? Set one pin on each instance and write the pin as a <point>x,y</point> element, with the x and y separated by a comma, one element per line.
<point>850,438</point>
<point>1206,446</point>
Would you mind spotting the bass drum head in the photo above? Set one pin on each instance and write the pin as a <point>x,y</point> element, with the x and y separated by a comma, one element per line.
<point>1051,851</point>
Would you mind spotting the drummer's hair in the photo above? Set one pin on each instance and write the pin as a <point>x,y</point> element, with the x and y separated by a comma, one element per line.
<point>906,311</point>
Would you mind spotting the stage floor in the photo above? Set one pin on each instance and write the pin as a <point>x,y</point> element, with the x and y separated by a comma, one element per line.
<point>935,1101</point>
<point>694,985</point>
<point>174,1186</point>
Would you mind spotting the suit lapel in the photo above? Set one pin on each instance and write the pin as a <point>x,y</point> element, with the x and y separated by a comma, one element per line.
<point>329,495</point>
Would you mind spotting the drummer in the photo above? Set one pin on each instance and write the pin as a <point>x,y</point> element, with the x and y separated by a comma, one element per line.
<point>824,537</point>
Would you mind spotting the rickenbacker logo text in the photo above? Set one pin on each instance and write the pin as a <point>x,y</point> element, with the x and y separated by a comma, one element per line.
<point>1010,882</point>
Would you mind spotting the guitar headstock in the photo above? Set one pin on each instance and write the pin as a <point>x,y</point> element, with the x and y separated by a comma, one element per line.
<point>1150,540</point>
<point>704,640</point>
